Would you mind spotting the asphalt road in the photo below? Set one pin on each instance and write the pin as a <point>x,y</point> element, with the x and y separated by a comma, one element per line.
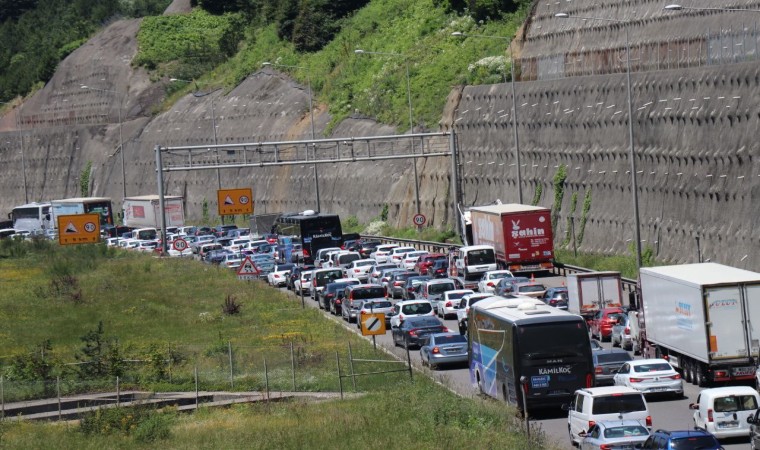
<point>667,413</point>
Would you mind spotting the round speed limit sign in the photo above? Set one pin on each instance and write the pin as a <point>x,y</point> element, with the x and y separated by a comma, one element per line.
<point>180,245</point>
<point>419,220</point>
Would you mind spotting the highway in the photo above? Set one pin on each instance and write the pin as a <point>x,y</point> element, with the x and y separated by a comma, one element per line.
<point>667,413</point>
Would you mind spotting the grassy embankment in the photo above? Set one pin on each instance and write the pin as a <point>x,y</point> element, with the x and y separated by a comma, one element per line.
<point>151,308</point>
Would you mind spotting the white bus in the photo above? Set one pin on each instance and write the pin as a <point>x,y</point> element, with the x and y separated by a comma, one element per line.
<point>32,217</point>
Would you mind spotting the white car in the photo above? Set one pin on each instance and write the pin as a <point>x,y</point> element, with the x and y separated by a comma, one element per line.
<point>398,254</point>
<point>377,272</point>
<point>464,308</point>
<point>449,303</point>
<point>278,277</point>
<point>592,405</point>
<point>232,261</point>
<point>145,246</point>
<point>410,308</point>
<point>238,245</point>
<point>382,253</point>
<point>113,242</point>
<point>359,269</point>
<point>724,411</point>
<point>490,279</point>
<point>303,283</point>
<point>650,376</point>
<point>410,259</point>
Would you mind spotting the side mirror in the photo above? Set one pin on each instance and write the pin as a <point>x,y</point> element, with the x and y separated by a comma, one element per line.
<point>694,406</point>
<point>565,407</point>
<point>751,420</point>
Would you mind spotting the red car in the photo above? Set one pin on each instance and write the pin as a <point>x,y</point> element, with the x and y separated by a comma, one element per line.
<point>603,321</point>
<point>426,261</point>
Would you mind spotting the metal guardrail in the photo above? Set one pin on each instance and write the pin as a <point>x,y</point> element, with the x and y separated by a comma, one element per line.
<point>560,269</point>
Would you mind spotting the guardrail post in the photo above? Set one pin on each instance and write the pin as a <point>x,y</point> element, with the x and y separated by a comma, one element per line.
<point>196,388</point>
<point>118,393</point>
<point>229,352</point>
<point>409,362</point>
<point>293,360</point>
<point>58,391</point>
<point>351,364</point>
<point>2,397</point>
<point>266,378</point>
<point>340,378</point>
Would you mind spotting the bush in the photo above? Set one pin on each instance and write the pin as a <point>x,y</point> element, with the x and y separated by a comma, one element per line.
<point>144,423</point>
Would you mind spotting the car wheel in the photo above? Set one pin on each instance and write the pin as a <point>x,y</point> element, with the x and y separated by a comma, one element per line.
<point>433,366</point>
<point>570,433</point>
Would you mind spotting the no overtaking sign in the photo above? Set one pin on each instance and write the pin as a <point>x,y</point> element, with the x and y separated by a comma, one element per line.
<point>372,324</point>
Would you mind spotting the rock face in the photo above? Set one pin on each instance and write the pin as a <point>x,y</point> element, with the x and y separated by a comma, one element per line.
<point>692,126</point>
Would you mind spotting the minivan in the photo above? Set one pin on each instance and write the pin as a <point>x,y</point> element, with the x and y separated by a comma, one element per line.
<point>592,405</point>
<point>319,258</point>
<point>321,277</point>
<point>724,411</point>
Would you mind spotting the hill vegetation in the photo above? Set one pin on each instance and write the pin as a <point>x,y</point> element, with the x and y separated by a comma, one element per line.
<point>222,42</point>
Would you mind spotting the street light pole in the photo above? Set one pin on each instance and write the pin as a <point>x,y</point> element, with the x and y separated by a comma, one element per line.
<point>311,115</point>
<point>21,145</point>
<point>411,117</point>
<point>631,151</point>
<point>514,105</point>
<point>121,140</point>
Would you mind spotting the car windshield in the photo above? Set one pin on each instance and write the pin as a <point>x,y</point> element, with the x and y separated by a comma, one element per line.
<point>457,295</point>
<point>417,308</point>
<point>607,358</point>
<point>618,403</point>
<point>653,367</point>
<point>483,256</point>
<point>450,339</point>
<point>371,305</point>
<point>423,322</point>
<point>733,403</point>
<point>363,263</point>
<point>532,288</point>
<point>692,442</point>
<point>440,288</point>
<point>625,431</point>
<point>371,292</point>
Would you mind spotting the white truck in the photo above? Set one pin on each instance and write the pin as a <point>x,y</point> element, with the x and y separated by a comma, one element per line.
<point>705,318</point>
<point>589,292</point>
<point>145,211</point>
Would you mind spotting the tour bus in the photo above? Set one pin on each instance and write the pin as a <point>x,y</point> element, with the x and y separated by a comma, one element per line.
<point>315,231</point>
<point>523,346</point>
<point>32,217</point>
<point>84,205</point>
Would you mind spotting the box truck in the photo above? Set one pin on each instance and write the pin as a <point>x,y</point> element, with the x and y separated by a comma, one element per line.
<point>589,292</point>
<point>705,318</point>
<point>145,211</point>
<point>521,235</point>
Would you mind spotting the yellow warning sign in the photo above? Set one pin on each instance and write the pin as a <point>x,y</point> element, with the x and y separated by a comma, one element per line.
<point>235,201</point>
<point>79,229</point>
<point>372,324</point>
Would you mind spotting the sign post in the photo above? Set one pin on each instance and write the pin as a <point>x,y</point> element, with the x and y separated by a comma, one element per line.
<point>79,229</point>
<point>235,201</point>
<point>248,270</point>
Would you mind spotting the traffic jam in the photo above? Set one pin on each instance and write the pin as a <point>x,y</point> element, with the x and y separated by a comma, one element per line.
<point>671,363</point>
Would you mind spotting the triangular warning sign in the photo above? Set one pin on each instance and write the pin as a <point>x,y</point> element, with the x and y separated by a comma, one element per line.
<point>248,268</point>
<point>70,228</point>
<point>228,201</point>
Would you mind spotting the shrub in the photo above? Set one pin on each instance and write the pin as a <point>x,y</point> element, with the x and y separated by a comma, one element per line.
<point>230,306</point>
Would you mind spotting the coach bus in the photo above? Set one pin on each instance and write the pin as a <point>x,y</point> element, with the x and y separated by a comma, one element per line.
<point>521,346</point>
<point>84,205</point>
<point>32,217</point>
<point>315,231</point>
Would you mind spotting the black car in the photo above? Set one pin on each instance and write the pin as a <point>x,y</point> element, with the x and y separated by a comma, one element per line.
<point>367,247</point>
<point>412,329</point>
<point>439,269</point>
<point>332,296</point>
<point>221,230</point>
<point>607,363</point>
<point>411,284</point>
<point>397,284</point>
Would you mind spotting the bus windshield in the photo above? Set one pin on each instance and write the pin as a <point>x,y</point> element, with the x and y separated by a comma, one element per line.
<point>554,340</point>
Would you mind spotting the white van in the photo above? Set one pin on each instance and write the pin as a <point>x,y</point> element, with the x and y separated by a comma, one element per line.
<point>724,411</point>
<point>472,262</point>
<point>591,405</point>
<point>321,255</point>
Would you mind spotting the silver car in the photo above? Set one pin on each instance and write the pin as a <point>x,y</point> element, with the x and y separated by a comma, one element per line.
<point>444,348</point>
<point>373,307</point>
<point>619,434</point>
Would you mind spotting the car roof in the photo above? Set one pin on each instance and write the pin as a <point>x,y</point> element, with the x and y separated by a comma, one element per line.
<point>636,362</point>
<point>685,433</point>
<point>618,423</point>
<point>439,281</point>
<point>728,390</point>
<point>459,291</point>
<point>609,390</point>
<point>610,351</point>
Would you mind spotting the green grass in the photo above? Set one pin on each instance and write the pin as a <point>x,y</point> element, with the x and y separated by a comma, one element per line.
<point>415,414</point>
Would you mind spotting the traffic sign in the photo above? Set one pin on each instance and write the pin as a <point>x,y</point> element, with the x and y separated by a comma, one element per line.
<point>79,229</point>
<point>372,324</point>
<point>419,219</point>
<point>180,245</point>
<point>235,201</point>
<point>248,270</point>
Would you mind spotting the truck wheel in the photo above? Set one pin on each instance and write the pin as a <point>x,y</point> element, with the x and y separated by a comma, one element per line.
<point>699,375</point>
<point>688,371</point>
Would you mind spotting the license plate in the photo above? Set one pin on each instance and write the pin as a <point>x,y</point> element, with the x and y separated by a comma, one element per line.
<point>742,371</point>
<point>731,424</point>
<point>539,381</point>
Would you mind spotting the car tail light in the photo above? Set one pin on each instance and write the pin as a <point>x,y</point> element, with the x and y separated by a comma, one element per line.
<point>721,373</point>
<point>627,330</point>
<point>490,284</point>
<point>314,282</point>
<point>591,423</point>
<point>589,380</point>
<point>709,415</point>
<point>675,377</point>
<point>398,283</point>
<point>605,447</point>
<point>445,330</point>
<point>413,332</point>
<point>635,380</point>
<point>598,369</point>
<point>436,350</point>
<point>467,310</point>
<point>649,421</point>
<point>400,317</point>
<point>448,304</point>
<point>337,301</point>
